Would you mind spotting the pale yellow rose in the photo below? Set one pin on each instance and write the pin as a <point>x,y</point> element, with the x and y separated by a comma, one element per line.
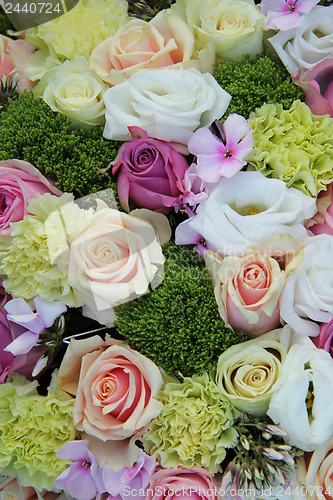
<point>75,91</point>
<point>246,372</point>
<point>234,28</point>
<point>166,40</point>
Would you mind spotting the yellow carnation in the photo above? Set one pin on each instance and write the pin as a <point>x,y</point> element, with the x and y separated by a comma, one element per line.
<point>80,30</point>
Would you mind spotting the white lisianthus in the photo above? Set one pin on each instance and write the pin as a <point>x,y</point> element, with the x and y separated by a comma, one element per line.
<point>307,45</point>
<point>244,210</point>
<point>247,372</point>
<point>75,91</point>
<point>308,293</point>
<point>233,28</point>
<point>169,104</point>
<point>301,402</point>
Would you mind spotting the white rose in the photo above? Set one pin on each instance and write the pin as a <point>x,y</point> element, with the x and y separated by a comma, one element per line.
<point>169,104</point>
<point>308,293</point>
<point>246,209</point>
<point>307,45</point>
<point>75,91</point>
<point>234,28</point>
<point>247,372</point>
<point>301,402</point>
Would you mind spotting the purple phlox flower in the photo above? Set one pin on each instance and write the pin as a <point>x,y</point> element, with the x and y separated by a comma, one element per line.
<point>83,479</point>
<point>130,479</point>
<point>20,312</point>
<point>285,14</point>
<point>218,158</point>
<point>194,189</point>
<point>186,235</point>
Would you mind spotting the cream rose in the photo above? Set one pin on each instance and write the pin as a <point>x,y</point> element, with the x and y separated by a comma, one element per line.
<point>75,91</point>
<point>247,372</point>
<point>247,291</point>
<point>166,40</point>
<point>308,44</point>
<point>234,28</point>
<point>316,472</point>
<point>169,104</point>
<point>114,260</point>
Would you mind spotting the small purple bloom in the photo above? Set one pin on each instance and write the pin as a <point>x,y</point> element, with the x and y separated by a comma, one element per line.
<point>285,14</point>
<point>83,479</point>
<point>129,479</point>
<point>218,158</point>
<point>20,312</point>
<point>195,190</point>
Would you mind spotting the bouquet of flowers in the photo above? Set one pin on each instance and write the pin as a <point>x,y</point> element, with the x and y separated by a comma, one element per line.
<point>166,244</point>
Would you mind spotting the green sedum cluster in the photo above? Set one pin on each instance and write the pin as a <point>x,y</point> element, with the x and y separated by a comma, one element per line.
<point>5,23</point>
<point>254,81</point>
<point>293,145</point>
<point>178,325</point>
<point>31,131</point>
<point>32,429</point>
<point>194,427</point>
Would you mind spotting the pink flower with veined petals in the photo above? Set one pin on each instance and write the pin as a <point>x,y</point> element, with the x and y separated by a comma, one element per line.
<point>218,158</point>
<point>285,14</point>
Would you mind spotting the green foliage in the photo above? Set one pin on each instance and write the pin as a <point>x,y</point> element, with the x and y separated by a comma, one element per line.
<point>177,325</point>
<point>254,81</point>
<point>147,10</point>
<point>5,23</point>
<point>31,131</point>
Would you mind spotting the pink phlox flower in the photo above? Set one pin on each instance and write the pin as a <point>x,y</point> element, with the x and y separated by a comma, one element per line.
<point>20,312</point>
<point>285,14</point>
<point>130,479</point>
<point>83,479</point>
<point>194,190</point>
<point>223,157</point>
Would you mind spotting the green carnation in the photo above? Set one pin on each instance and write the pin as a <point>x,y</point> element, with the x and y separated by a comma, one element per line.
<point>25,255</point>
<point>194,427</point>
<point>293,145</point>
<point>32,429</point>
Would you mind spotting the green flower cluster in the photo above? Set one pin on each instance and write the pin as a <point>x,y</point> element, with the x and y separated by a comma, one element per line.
<point>194,427</point>
<point>31,131</point>
<point>32,429</point>
<point>178,325</point>
<point>5,23</point>
<point>293,145</point>
<point>254,81</point>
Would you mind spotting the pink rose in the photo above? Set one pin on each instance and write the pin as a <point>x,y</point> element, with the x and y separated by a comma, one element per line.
<point>316,472</point>
<point>322,221</point>
<point>166,40</point>
<point>317,85</point>
<point>151,173</point>
<point>172,484</point>
<point>325,338</point>
<point>116,392</point>
<point>20,181</point>
<point>247,290</point>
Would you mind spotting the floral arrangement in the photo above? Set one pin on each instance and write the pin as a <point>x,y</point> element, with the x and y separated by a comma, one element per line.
<point>166,242</point>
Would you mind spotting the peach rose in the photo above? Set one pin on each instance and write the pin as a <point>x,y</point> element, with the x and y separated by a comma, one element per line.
<point>316,472</point>
<point>114,260</point>
<point>13,57</point>
<point>116,388</point>
<point>166,40</point>
<point>247,291</point>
